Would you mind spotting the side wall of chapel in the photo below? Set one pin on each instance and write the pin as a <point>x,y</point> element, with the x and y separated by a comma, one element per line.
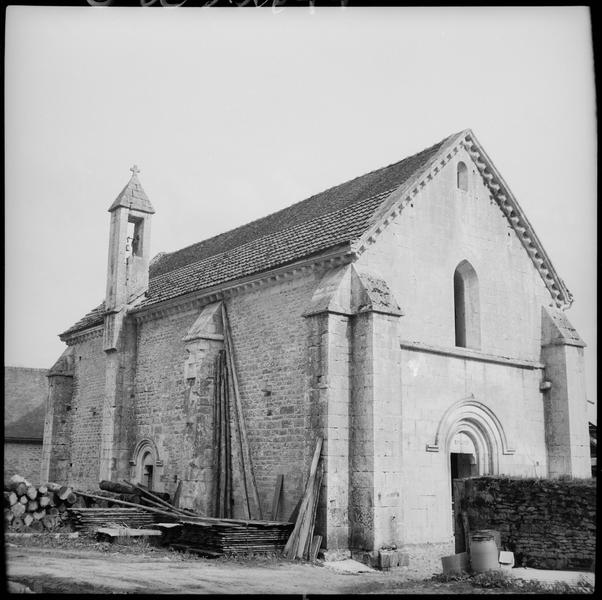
<point>175,412</point>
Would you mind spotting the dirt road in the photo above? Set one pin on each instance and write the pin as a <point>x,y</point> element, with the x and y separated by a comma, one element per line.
<point>57,570</point>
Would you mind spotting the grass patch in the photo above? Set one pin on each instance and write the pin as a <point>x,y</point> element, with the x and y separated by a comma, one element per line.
<point>502,581</point>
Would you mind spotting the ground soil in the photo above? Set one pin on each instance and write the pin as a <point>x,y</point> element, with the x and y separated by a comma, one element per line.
<point>86,566</point>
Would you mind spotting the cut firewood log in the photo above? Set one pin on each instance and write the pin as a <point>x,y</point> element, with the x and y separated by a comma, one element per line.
<point>39,514</point>
<point>8,515</point>
<point>36,526</point>
<point>139,488</point>
<point>49,522</point>
<point>17,524</point>
<point>44,501</point>
<point>16,478</point>
<point>64,492</point>
<point>27,519</point>
<point>116,487</point>
<point>53,511</point>
<point>32,492</point>
<point>23,499</point>
<point>43,489</point>
<point>133,498</point>
<point>20,489</point>
<point>32,506</point>
<point>12,498</point>
<point>17,509</point>
<point>53,487</point>
<point>71,498</point>
<point>80,502</point>
<point>52,498</point>
<point>62,508</point>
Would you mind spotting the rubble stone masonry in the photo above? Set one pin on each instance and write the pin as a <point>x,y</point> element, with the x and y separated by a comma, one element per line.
<point>548,524</point>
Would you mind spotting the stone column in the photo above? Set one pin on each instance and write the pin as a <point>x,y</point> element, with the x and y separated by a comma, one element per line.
<point>375,468</point>
<point>56,450</point>
<point>329,390</point>
<point>565,408</point>
<point>119,390</point>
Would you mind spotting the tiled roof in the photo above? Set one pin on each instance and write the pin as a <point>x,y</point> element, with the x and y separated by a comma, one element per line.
<point>29,426</point>
<point>91,319</point>
<point>336,216</point>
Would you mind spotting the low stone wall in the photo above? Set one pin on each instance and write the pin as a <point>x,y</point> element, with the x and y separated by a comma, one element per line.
<point>547,523</point>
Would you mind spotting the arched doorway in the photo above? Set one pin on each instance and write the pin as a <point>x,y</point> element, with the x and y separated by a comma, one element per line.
<point>472,440</point>
<point>146,467</point>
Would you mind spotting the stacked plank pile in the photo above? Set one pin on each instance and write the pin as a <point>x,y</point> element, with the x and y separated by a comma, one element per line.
<point>28,508</point>
<point>302,543</point>
<point>90,519</point>
<point>215,537</point>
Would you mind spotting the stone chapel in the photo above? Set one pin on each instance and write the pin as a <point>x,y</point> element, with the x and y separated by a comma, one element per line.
<point>410,317</point>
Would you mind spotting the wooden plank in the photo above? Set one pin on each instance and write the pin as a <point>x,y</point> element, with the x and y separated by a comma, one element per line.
<point>316,496</point>
<point>290,550</point>
<point>277,494</point>
<point>122,502</point>
<point>114,532</point>
<point>315,547</point>
<point>246,454</point>
<point>157,501</point>
<point>176,496</point>
<point>202,552</point>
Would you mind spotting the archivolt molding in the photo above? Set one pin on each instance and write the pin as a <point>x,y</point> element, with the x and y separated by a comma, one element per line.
<point>141,446</point>
<point>405,194</point>
<point>471,416</point>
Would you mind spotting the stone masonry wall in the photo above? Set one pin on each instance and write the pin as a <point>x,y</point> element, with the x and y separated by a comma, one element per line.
<point>176,414</point>
<point>86,412</point>
<point>419,251</point>
<point>270,337</point>
<point>23,459</point>
<point>548,524</point>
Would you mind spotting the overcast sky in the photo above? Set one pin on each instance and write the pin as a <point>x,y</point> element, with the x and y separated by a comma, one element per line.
<point>234,113</point>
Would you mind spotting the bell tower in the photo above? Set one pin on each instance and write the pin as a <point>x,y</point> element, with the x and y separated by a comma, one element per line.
<point>129,254</point>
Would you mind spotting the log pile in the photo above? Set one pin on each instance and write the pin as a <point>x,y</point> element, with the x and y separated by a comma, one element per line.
<point>30,508</point>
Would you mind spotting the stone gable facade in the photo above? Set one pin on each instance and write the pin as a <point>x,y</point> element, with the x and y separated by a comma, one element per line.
<point>425,341</point>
